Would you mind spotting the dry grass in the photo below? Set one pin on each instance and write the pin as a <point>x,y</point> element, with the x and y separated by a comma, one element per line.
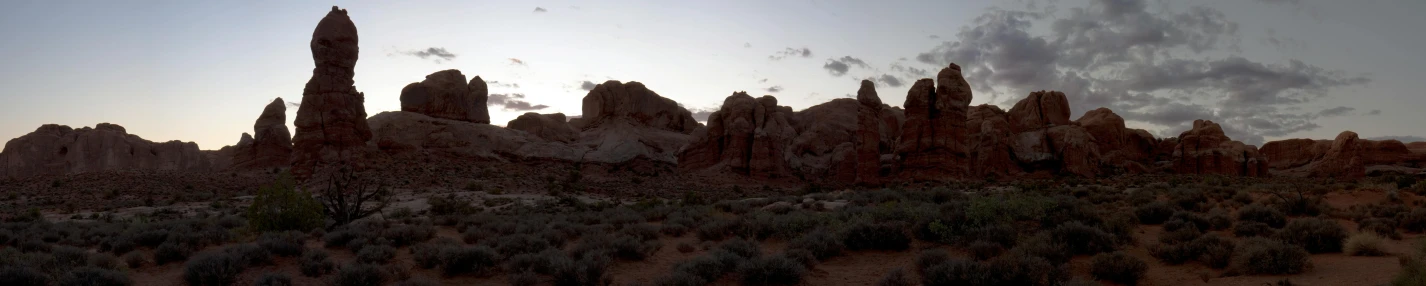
<point>1364,244</point>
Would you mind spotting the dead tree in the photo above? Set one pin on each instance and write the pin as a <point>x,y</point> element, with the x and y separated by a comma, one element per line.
<point>350,196</point>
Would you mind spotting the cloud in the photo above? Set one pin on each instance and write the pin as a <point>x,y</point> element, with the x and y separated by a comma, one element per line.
<point>1403,139</point>
<point>762,81</point>
<point>587,85</point>
<point>540,10</point>
<point>1374,112</point>
<point>747,45</point>
<point>292,104</point>
<point>1336,111</point>
<point>502,84</point>
<point>791,52</point>
<point>839,67</point>
<point>774,89</point>
<point>1148,64</point>
<point>889,80</point>
<point>702,114</point>
<point>513,102</point>
<point>517,62</point>
<point>439,54</point>
<point>1282,2</point>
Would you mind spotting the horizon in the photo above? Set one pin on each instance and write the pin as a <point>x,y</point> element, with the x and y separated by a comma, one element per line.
<point>202,72</point>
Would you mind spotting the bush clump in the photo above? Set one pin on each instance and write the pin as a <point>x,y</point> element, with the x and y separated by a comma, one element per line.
<point>211,269</point>
<point>1259,213</point>
<point>359,275</point>
<point>467,260</point>
<point>1118,267</point>
<point>315,263</point>
<point>1252,229</point>
<point>1154,213</point>
<point>774,270</point>
<point>282,207</point>
<point>1383,227</point>
<point>822,243</point>
<point>1415,221</point>
<point>171,252</point>
<point>376,254</point>
<point>883,236</point>
<point>1083,239</point>
<point>1314,234</point>
<point>94,276</point>
<point>14,275</point>
<point>1364,244</point>
<point>1270,257</point>
<point>273,279</point>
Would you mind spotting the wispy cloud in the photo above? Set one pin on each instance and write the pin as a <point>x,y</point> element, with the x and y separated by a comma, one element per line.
<point>839,67</point>
<point>791,52</point>
<point>540,10</point>
<point>437,54</point>
<point>517,62</point>
<point>513,102</point>
<point>774,89</point>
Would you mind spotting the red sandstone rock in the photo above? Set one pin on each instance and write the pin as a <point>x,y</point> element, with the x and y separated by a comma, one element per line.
<point>1042,109</point>
<point>331,122</point>
<point>1121,147</point>
<point>824,132</point>
<point>60,150</point>
<point>1343,160</point>
<point>990,142</point>
<point>272,147</point>
<point>933,139</point>
<point>1416,147</point>
<point>552,126</point>
<point>446,94</point>
<point>632,103</point>
<point>1293,153</point>
<point>869,144</point>
<point>745,136</point>
<point>1206,150</point>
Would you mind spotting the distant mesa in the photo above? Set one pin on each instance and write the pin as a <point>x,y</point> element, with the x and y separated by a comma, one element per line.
<point>626,127</point>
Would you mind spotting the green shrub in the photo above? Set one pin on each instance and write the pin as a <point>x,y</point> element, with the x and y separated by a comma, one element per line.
<point>1314,234</point>
<point>376,254</point>
<point>821,242</point>
<point>1118,267</point>
<point>1259,213</point>
<point>211,269</point>
<point>1083,239</point>
<point>93,276</point>
<point>1383,227</point>
<point>775,270</point>
<point>315,263</point>
<point>1364,244</point>
<point>359,275</point>
<point>282,207</point>
<point>1269,257</point>
<point>883,236</point>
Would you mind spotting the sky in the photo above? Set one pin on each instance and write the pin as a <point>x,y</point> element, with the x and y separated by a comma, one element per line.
<point>202,71</point>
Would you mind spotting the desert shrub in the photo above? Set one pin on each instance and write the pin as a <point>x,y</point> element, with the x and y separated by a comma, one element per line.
<point>983,250</point>
<point>1364,244</point>
<point>1043,245</point>
<point>26,276</point>
<point>359,275</point>
<point>632,248</point>
<point>1415,221</point>
<point>404,235</point>
<point>104,260</point>
<point>1253,228</point>
<point>1083,239</point>
<point>467,260</point>
<point>376,254</point>
<point>428,255</point>
<point>337,238</point>
<point>522,278</point>
<point>801,256</point>
<point>1018,269</point>
<point>1118,267</point>
<point>1259,213</point>
<point>211,269</point>
<point>1270,257</point>
<point>931,257</point>
<point>674,230</point>
<point>716,229</point>
<point>684,247</point>
<point>706,267</point>
<point>171,252</point>
<point>249,254</point>
<point>1413,268</point>
<point>821,242</point>
<point>451,205</point>
<point>775,270</point>
<point>1185,233</point>
<point>896,277</point>
<point>1218,219</point>
<point>1314,234</point>
<point>135,260</point>
<point>1154,213</point>
<point>680,279</point>
<point>1213,250</point>
<point>589,270</point>
<point>273,279</point>
<point>954,271</point>
<point>1182,218</point>
<point>282,207</point>
<point>315,263</point>
<point>1383,227</point>
<point>883,236</point>
<point>94,276</point>
<point>286,244</point>
<point>520,243</point>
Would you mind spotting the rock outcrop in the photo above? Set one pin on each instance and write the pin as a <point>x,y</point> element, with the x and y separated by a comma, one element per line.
<point>990,142</point>
<point>1120,147</point>
<point>331,122</point>
<point>446,94</point>
<point>1204,149</point>
<point>1293,153</point>
<point>625,121</point>
<point>934,140</point>
<point>1348,156</point>
<point>746,136</point>
<point>823,149</point>
<point>551,127</point>
<point>400,133</point>
<point>1417,147</point>
<point>272,147</point>
<point>875,135</point>
<point>60,150</point>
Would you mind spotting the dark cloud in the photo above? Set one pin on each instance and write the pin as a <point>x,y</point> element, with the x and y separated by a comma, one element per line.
<point>890,80</point>
<point>909,72</point>
<point>839,67</point>
<point>497,83</point>
<point>439,54</point>
<point>540,10</point>
<point>791,52</point>
<point>1282,2</point>
<point>1374,112</point>
<point>774,89</point>
<point>1146,63</point>
<point>1403,139</point>
<point>517,62</point>
<point>587,85</point>
<point>513,102</point>
<point>762,81</point>
<point>291,104</point>
<point>1336,111</point>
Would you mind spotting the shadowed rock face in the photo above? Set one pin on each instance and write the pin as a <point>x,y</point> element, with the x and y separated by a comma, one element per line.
<point>613,102</point>
<point>869,136</point>
<point>60,150</point>
<point>1206,150</point>
<point>746,136</point>
<point>446,94</point>
<point>1293,153</point>
<point>1120,147</point>
<point>331,122</point>
<point>272,147</point>
<point>548,126</point>
<point>934,139</point>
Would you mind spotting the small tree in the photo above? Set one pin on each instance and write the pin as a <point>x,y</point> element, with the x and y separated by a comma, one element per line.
<point>282,207</point>
<point>350,196</point>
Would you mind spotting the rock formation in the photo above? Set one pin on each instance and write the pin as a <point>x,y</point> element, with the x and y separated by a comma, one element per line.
<point>1206,150</point>
<point>1293,153</point>
<point>272,147</point>
<point>551,127</point>
<point>1042,138</point>
<point>747,136</point>
<point>1119,146</point>
<point>625,121</point>
<point>1417,147</point>
<point>400,133</point>
<point>1348,156</point>
<point>871,135</point>
<point>933,138</point>
<point>446,94</point>
<point>990,142</point>
<point>823,150</point>
<point>331,122</point>
<point>60,150</point>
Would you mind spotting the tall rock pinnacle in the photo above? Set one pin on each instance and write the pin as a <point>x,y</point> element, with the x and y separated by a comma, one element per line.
<point>331,122</point>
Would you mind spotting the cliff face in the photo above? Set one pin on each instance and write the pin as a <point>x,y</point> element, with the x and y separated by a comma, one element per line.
<point>61,150</point>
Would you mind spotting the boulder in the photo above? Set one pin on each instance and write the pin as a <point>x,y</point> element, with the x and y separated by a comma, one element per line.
<point>1293,153</point>
<point>331,122</point>
<point>934,140</point>
<point>446,94</point>
<point>551,127</point>
<point>272,147</point>
<point>60,150</point>
<point>746,136</point>
<point>990,142</point>
<point>1344,159</point>
<point>1075,150</point>
<point>1042,109</point>
<point>1204,149</point>
<point>1120,146</point>
<point>823,149</point>
<point>633,104</point>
